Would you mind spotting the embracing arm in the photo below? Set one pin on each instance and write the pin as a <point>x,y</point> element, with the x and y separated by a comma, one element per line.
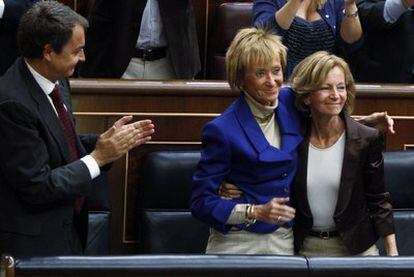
<point>380,121</point>
<point>213,167</point>
<point>275,211</point>
<point>378,199</point>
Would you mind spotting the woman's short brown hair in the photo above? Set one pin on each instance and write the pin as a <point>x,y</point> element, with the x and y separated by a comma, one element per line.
<point>310,74</point>
<point>252,46</point>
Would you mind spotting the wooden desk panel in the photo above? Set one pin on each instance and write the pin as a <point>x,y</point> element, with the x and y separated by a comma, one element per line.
<point>179,110</point>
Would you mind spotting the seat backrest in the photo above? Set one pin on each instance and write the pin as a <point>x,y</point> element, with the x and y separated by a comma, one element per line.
<point>399,178</point>
<point>230,18</point>
<point>166,225</point>
<point>399,181</point>
<point>99,206</point>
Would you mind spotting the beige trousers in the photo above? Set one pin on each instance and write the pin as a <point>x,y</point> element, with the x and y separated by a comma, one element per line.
<point>332,247</point>
<point>280,242</point>
<point>157,70</point>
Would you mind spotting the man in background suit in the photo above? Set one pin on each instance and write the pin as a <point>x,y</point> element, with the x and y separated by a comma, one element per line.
<point>10,13</point>
<point>141,39</point>
<point>45,171</point>
<point>387,55</point>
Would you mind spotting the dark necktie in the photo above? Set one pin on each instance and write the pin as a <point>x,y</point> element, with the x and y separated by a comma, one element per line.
<point>69,132</point>
<point>65,122</point>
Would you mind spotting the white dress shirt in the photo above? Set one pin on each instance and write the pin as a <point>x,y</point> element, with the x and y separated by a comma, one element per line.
<point>1,8</point>
<point>393,9</point>
<point>47,87</point>
<point>151,33</point>
<point>323,181</point>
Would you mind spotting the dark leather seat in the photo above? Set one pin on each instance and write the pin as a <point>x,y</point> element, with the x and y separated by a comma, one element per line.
<point>98,242</point>
<point>399,181</point>
<point>166,225</point>
<point>230,18</point>
<point>165,222</point>
<point>99,204</point>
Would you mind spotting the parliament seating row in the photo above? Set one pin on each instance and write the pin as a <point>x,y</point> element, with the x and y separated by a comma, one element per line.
<point>208,265</point>
<point>172,240</point>
<point>167,227</point>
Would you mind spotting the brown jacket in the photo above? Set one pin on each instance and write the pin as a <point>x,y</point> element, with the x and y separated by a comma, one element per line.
<point>363,211</point>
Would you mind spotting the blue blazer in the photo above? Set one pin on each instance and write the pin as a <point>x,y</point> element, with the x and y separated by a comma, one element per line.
<point>235,150</point>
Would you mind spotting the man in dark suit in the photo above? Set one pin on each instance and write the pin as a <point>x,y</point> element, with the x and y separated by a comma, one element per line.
<point>10,13</point>
<point>45,171</point>
<point>144,39</point>
<point>387,55</point>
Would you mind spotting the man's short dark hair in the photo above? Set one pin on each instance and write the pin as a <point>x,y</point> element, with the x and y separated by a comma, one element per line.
<point>46,22</point>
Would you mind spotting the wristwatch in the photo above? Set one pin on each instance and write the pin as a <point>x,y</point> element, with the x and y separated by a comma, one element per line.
<point>354,14</point>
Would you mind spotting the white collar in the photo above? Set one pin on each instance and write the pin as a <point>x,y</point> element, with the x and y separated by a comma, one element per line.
<point>46,85</point>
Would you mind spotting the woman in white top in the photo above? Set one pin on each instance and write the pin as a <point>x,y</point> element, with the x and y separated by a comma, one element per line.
<point>339,195</point>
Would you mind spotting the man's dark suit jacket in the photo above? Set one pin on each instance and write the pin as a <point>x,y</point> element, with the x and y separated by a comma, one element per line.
<point>363,211</point>
<point>388,51</point>
<point>114,30</point>
<point>38,181</point>
<point>14,9</point>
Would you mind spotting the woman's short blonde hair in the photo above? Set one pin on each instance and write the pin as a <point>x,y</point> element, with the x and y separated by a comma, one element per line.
<point>249,47</point>
<point>310,74</point>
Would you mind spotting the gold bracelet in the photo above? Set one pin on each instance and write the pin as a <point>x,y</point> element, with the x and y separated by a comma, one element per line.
<point>248,219</point>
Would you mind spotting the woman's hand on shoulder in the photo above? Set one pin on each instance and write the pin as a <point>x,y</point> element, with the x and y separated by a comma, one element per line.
<point>379,120</point>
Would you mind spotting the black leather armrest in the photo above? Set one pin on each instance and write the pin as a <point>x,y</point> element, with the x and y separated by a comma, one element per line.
<point>153,265</point>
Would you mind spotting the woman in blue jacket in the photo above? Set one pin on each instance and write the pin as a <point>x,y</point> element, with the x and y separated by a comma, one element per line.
<point>252,144</point>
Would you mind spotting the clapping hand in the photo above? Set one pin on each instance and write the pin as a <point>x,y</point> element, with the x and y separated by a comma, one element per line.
<point>120,138</point>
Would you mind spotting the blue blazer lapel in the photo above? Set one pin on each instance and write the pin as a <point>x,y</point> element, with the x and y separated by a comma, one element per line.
<point>249,125</point>
<point>266,152</point>
<point>290,129</point>
<point>46,112</point>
